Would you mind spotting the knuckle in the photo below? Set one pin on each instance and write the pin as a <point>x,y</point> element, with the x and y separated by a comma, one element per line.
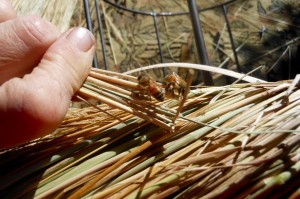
<point>34,30</point>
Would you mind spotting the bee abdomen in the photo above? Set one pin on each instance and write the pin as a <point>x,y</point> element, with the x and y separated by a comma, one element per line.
<point>157,92</point>
<point>160,96</point>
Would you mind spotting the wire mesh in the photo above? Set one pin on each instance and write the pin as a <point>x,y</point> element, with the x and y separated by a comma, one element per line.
<point>134,34</point>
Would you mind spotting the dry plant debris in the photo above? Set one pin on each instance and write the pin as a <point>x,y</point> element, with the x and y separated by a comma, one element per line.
<point>264,32</point>
<point>237,141</point>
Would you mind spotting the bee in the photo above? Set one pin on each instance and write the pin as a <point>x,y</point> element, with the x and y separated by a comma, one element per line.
<point>174,85</point>
<point>147,83</point>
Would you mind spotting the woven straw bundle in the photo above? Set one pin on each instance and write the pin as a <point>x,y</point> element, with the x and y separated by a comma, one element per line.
<point>239,140</point>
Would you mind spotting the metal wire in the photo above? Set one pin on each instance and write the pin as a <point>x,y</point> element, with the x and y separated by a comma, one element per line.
<point>158,42</point>
<point>102,39</point>
<point>224,9</point>
<point>165,13</point>
<point>90,26</point>
<point>200,42</point>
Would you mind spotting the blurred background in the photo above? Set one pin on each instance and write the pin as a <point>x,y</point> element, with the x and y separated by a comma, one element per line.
<point>240,35</point>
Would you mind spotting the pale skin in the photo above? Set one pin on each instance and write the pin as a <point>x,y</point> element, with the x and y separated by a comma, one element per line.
<point>40,70</point>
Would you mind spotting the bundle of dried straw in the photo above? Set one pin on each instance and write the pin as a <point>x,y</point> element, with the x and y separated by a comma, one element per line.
<point>237,141</point>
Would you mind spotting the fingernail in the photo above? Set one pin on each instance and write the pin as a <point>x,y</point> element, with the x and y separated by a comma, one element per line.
<point>82,38</point>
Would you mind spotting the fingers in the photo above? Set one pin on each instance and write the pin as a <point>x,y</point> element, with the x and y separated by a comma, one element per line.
<point>23,42</point>
<point>6,11</point>
<point>68,60</point>
<point>36,104</point>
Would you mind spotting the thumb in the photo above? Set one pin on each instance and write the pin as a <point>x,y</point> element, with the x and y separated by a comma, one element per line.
<point>38,102</point>
<point>67,62</point>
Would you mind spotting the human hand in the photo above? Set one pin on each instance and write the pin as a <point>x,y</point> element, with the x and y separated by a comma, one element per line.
<point>40,70</point>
